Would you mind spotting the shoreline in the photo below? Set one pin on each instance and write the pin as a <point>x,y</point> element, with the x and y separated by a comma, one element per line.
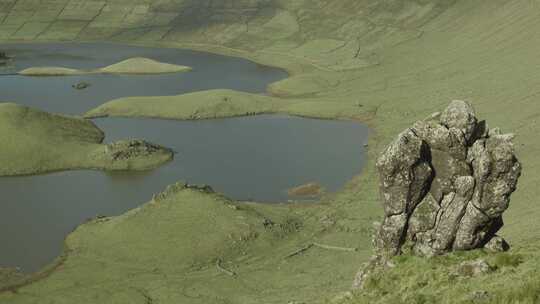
<point>387,65</point>
<point>291,67</point>
<point>207,48</point>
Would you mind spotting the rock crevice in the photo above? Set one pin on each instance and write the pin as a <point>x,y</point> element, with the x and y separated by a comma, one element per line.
<point>445,183</point>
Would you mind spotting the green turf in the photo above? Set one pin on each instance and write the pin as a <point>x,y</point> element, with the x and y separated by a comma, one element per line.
<point>36,142</point>
<point>387,63</point>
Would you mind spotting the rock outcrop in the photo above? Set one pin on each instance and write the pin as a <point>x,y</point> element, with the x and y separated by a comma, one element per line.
<point>81,85</point>
<point>132,154</point>
<point>445,183</point>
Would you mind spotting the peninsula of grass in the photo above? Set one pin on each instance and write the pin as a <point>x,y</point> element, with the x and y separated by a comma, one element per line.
<point>36,142</point>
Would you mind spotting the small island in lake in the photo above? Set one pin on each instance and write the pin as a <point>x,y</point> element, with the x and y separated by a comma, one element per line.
<point>136,65</point>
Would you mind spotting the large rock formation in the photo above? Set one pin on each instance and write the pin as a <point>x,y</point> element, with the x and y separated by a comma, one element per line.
<point>445,183</point>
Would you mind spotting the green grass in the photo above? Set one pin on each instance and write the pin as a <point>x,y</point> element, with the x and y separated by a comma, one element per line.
<point>36,142</point>
<point>388,63</point>
<point>195,229</point>
<point>514,279</point>
<point>197,105</point>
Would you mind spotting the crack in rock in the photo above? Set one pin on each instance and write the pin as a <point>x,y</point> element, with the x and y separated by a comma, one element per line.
<point>445,183</point>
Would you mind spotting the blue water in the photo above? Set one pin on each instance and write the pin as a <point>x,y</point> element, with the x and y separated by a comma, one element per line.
<point>253,158</point>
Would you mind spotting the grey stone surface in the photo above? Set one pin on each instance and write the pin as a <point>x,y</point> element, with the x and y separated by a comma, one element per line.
<point>445,184</point>
<point>473,268</point>
<point>497,244</point>
<point>461,116</point>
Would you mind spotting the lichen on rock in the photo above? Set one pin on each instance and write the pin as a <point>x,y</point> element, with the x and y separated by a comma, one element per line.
<point>133,155</point>
<point>445,183</point>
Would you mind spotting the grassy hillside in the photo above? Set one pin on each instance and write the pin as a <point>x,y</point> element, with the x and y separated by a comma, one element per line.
<point>388,63</point>
<point>36,142</point>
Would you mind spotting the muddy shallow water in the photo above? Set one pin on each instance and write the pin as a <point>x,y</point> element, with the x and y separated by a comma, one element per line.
<point>251,158</point>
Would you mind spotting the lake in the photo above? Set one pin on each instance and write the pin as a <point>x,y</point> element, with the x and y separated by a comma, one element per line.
<point>251,158</point>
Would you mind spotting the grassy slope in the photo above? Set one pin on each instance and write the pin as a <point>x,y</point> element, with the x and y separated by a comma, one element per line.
<point>34,141</point>
<point>198,105</point>
<point>412,60</point>
<point>37,142</point>
<point>167,250</point>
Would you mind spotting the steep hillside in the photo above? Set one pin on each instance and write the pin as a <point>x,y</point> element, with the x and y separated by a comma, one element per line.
<point>335,34</point>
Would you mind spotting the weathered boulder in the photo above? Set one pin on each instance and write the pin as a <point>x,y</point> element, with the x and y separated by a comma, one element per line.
<point>497,244</point>
<point>473,268</point>
<point>405,182</point>
<point>460,115</point>
<point>445,183</point>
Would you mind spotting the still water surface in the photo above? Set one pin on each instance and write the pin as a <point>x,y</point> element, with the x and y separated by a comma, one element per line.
<point>55,94</point>
<point>251,158</point>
